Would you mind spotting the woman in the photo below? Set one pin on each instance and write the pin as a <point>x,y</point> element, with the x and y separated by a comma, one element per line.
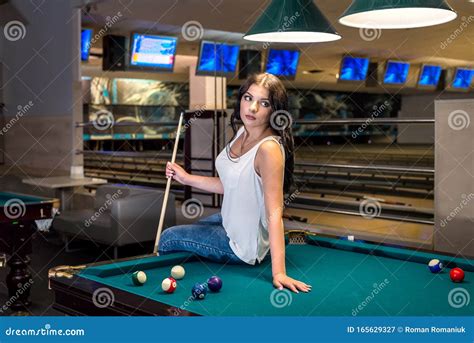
<point>254,169</point>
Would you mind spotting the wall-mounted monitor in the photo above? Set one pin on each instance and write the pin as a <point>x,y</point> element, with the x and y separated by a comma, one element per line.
<point>353,68</point>
<point>429,76</point>
<point>396,72</point>
<point>152,52</point>
<point>462,78</point>
<point>219,59</point>
<point>86,38</point>
<point>283,63</point>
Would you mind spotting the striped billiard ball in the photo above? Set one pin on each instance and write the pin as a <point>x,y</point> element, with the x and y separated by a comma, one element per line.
<point>169,285</point>
<point>139,278</point>
<point>435,266</point>
<point>199,291</point>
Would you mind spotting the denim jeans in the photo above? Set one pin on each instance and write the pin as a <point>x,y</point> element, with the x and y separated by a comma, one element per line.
<point>206,238</point>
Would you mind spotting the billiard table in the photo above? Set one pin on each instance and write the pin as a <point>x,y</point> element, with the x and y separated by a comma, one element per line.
<point>348,278</point>
<point>18,213</point>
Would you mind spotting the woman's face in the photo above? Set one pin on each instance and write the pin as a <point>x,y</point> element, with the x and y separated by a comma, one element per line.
<point>255,107</point>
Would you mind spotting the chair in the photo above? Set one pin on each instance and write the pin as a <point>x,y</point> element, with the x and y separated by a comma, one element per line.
<point>122,215</point>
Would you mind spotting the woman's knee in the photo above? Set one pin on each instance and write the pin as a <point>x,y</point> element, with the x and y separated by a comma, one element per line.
<point>167,236</point>
<point>215,219</point>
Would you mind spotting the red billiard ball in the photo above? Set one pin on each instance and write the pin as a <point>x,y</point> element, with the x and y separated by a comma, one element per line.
<point>456,274</point>
<point>169,285</point>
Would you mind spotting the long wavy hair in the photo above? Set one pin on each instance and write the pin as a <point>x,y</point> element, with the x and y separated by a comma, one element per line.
<point>280,120</point>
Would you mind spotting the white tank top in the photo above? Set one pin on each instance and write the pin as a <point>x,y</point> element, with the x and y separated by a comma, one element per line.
<point>243,207</point>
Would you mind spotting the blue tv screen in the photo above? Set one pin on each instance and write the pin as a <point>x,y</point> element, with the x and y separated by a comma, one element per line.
<point>354,68</point>
<point>86,37</point>
<point>283,62</point>
<point>156,52</point>
<point>217,58</point>
<point>396,72</point>
<point>429,75</point>
<point>463,78</point>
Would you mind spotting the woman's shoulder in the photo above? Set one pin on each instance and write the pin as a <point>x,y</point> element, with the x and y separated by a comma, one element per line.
<point>273,138</point>
<point>269,147</point>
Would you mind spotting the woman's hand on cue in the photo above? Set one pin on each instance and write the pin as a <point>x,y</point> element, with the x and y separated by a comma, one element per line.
<point>282,280</point>
<point>176,172</point>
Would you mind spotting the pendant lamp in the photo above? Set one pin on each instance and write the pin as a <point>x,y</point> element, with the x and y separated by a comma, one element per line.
<point>292,21</point>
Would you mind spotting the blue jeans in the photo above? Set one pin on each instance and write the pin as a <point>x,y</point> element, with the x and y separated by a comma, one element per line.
<point>206,238</point>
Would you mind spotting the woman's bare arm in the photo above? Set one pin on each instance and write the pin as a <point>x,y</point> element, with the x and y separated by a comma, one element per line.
<point>271,166</point>
<point>206,183</point>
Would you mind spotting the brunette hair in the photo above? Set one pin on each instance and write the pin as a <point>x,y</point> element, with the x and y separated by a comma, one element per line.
<point>280,115</point>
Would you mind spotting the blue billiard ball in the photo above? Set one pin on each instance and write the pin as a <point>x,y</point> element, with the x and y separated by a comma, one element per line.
<point>214,283</point>
<point>435,266</point>
<point>199,291</point>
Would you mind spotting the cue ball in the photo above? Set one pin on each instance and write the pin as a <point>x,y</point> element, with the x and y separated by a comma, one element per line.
<point>214,283</point>
<point>177,272</point>
<point>169,285</point>
<point>139,278</point>
<point>457,274</point>
<point>435,266</point>
<point>199,291</point>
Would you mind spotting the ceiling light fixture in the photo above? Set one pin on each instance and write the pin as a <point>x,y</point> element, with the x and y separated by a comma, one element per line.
<point>397,14</point>
<point>292,21</point>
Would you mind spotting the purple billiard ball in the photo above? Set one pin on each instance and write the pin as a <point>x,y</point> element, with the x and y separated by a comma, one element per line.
<point>214,283</point>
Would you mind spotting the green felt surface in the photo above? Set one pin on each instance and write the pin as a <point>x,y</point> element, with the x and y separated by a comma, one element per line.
<point>26,199</point>
<point>344,283</point>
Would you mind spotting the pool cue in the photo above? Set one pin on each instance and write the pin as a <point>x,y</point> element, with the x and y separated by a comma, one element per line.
<point>168,185</point>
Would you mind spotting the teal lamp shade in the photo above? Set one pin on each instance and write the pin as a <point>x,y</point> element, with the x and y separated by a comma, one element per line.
<point>292,21</point>
<point>397,14</point>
